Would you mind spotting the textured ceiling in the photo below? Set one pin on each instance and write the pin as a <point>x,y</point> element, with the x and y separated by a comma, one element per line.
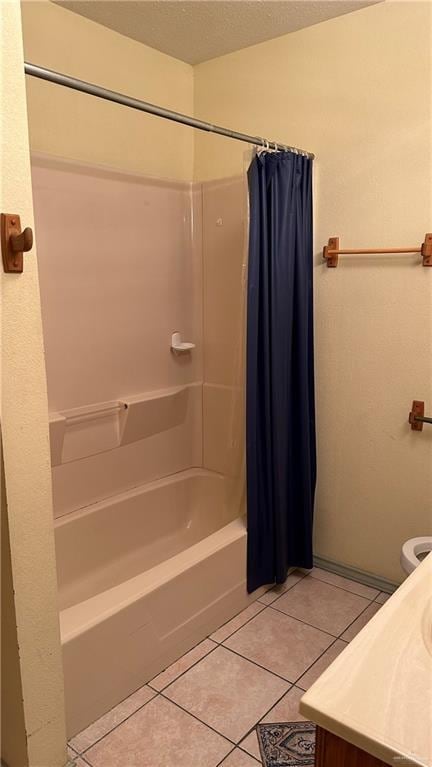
<point>197,30</point>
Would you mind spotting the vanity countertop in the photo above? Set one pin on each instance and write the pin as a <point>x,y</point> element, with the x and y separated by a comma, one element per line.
<point>377,694</point>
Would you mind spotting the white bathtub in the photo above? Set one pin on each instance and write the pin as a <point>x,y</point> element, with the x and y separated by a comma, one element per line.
<point>143,577</point>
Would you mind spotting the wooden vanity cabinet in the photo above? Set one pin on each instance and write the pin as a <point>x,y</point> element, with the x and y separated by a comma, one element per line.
<point>331,751</point>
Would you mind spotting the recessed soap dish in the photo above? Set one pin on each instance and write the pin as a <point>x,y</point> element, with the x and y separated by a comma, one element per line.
<point>178,346</point>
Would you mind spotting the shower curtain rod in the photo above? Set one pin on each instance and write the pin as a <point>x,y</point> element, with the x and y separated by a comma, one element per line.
<point>119,98</point>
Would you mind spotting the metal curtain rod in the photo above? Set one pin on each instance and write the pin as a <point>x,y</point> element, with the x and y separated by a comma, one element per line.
<point>119,98</point>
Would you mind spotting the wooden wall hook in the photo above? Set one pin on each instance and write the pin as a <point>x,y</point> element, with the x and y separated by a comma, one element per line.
<point>21,243</point>
<point>14,242</point>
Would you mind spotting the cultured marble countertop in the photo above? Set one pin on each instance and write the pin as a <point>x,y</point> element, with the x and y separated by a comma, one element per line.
<point>377,694</point>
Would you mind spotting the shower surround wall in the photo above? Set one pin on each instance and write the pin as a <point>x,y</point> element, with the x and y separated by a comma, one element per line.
<point>224,223</point>
<point>119,275</point>
<point>143,494</point>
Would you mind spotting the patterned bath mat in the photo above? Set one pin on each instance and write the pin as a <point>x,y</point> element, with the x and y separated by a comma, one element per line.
<point>288,744</point>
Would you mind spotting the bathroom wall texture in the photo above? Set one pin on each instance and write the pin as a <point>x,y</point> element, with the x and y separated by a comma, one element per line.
<point>75,126</point>
<point>33,727</point>
<point>356,91</point>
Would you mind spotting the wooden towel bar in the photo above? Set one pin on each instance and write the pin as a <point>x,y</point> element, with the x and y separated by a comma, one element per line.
<point>332,251</point>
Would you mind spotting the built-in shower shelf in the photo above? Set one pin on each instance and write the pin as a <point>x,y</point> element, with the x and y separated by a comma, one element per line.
<point>84,431</point>
<point>178,346</point>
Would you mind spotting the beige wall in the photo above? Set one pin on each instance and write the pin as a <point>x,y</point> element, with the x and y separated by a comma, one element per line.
<point>32,693</point>
<point>356,91</point>
<point>14,741</point>
<point>72,125</point>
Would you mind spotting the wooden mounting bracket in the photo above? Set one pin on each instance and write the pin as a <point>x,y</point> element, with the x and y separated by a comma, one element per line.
<point>14,242</point>
<point>331,258</point>
<point>416,410</point>
<point>426,250</point>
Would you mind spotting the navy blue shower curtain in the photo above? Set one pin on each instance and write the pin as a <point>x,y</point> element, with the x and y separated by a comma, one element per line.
<point>280,407</point>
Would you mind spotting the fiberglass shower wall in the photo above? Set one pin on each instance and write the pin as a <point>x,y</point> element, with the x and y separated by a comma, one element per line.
<point>224,213</point>
<point>119,273</point>
<point>124,262</point>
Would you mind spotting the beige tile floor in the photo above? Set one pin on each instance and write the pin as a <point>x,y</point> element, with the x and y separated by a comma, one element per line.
<point>202,710</point>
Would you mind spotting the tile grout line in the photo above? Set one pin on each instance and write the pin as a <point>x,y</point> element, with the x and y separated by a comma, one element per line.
<point>235,744</point>
<point>263,607</point>
<point>194,716</point>
<point>337,639</point>
<point>342,588</point>
<point>165,697</point>
<point>77,756</point>
<point>271,605</point>
<point>337,636</point>
<point>356,619</point>
<point>387,595</point>
<point>153,689</point>
<point>285,591</point>
<point>159,693</point>
<point>187,669</point>
<point>293,684</point>
<point>217,644</point>
<point>73,758</point>
<point>287,681</point>
<point>221,644</point>
<point>226,757</point>
<point>81,753</point>
<point>248,753</point>
<point>253,729</point>
<point>305,623</point>
<point>263,668</point>
<point>220,764</point>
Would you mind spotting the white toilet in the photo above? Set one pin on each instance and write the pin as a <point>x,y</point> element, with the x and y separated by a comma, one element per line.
<point>414,551</point>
